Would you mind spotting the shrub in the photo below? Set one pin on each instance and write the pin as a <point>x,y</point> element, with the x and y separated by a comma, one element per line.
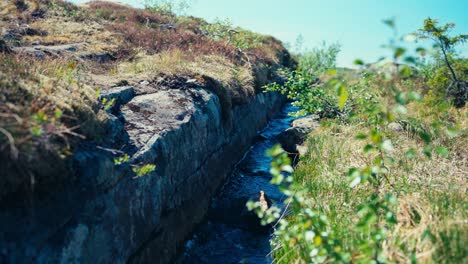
<point>303,85</point>
<point>223,30</point>
<point>319,60</point>
<point>168,7</point>
<point>307,94</point>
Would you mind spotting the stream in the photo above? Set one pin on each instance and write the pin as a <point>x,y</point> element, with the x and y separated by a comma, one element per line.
<point>230,233</point>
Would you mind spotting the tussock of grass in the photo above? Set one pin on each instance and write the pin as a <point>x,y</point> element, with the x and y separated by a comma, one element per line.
<point>237,80</point>
<point>44,109</point>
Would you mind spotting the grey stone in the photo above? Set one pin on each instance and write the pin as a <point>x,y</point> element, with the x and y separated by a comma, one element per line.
<point>122,94</point>
<point>40,51</point>
<point>100,57</point>
<point>297,133</point>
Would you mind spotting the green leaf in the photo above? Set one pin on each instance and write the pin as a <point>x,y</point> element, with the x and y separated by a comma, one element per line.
<point>274,171</point>
<point>425,137</point>
<point>58,113</point>
<point>428,234</point>
<point>361,136</point>
<point>411,153</point>
<point>353,172</point>
<point>143,170</point>
<point>390,218</point>
<point>359,62</point>
<point>428,151</point>
<point>355,182</point>
<point>343,96</point>
<point>414,96</point>
<point>287,168</point>
<point>400,98</point>
<point>376,136</point>
<point>277,179</point>
<point>251,205</point>
<point>121,160</point>
<point>368,148</point>
<point>391,199</point>
<point>275,151</point>
<point>410,59</point>
<point>331,72</point>
<point>400,109</point>
<point>37,131</point>
<point>398,52</point>
<point>389,22</point>
<point>451,131</point>
<point>333,83</point>
<point>442,151</point>
<point>40,117</point>
<point>421,51</point>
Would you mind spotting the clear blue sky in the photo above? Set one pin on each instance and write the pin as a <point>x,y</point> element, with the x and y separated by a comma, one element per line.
<point>356,24</point>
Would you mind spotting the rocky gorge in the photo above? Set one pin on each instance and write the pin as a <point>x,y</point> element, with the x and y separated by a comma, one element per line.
<point>138,220</point>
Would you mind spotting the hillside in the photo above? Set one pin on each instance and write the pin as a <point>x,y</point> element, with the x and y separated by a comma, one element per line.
<point>118,125</point>
<point>59,58</point>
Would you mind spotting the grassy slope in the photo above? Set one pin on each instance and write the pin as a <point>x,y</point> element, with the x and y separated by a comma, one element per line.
<point>431,192</point>
<point>49,105</point>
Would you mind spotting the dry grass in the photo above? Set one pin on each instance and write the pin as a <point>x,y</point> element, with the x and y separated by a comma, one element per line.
<point>130,35</point>
<point>238,80</point>
<point>45,109</point>
<point>143,45</point>
<point>432,212</point>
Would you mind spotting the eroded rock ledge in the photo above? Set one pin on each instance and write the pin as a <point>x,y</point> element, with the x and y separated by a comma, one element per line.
<point>106,216</point>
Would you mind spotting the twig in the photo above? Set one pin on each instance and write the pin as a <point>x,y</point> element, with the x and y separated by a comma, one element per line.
<point>13,150</point>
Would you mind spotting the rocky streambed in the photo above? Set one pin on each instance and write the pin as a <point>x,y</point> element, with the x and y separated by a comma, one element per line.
<point>101,214</point>
<point>231,234</point>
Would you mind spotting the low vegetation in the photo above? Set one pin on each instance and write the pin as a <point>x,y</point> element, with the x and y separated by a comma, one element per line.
<point>56,58</point>
<point>383,181</point>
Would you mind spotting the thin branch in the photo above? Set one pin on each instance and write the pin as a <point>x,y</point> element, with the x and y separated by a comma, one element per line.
<point>443,48</point>
<point>11,140</point>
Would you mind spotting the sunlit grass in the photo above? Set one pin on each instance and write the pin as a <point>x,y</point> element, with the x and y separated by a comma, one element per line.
<point>432,205</point>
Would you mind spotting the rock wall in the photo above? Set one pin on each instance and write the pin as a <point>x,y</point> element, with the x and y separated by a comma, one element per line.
<point>106,216</point>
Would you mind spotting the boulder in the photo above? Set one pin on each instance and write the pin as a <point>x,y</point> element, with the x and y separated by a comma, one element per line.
<point>297,133</point>
<point>122,94</point>
<point>100,57</point>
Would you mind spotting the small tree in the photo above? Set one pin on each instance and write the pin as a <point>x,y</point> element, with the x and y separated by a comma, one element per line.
<point>440,35</point>
<point>320,59</point>
<point>167,7</point>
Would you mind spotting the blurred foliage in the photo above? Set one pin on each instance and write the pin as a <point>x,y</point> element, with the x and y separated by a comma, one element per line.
<point>318,227</point>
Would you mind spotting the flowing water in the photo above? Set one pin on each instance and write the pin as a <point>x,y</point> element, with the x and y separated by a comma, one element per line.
<point>230,233</point>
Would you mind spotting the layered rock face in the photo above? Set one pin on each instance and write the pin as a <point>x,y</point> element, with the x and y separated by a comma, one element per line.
<point>105,215</point>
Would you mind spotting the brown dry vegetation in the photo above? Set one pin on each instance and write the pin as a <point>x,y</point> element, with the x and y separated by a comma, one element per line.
<point>49,104</point>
